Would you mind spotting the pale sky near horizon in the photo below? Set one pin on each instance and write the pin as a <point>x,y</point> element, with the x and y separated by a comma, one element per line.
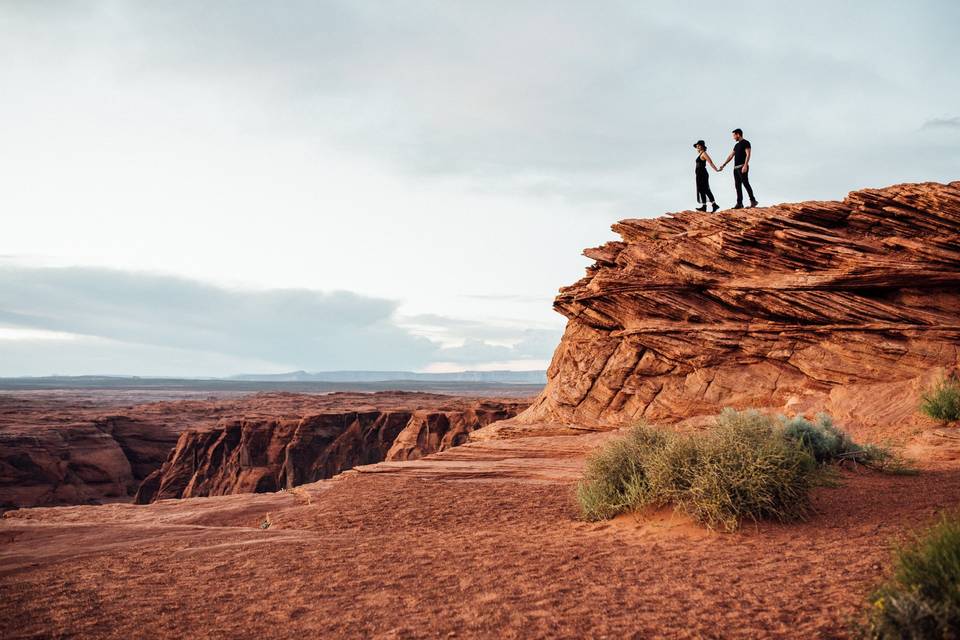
<point>222,187</point>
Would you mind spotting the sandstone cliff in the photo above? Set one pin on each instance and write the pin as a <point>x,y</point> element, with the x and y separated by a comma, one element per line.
<point>74,447</point>
<point>847,306</point>
<point>256,455</point>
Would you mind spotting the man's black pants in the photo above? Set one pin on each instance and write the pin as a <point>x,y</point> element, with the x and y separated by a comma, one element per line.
<point>741,179</point>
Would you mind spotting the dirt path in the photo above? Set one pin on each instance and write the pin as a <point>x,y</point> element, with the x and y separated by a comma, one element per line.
<point>406,553</point>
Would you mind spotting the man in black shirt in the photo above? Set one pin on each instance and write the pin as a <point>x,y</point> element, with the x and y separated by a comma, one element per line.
<point>741,167</point>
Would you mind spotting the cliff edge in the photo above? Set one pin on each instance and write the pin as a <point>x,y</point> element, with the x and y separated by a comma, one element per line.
<point>850,307</point>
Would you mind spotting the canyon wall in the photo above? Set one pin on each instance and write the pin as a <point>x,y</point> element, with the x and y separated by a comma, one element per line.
<point>68,458</point>
<point>262,455</point>
<point>87,446</point>
<point>849,306</point>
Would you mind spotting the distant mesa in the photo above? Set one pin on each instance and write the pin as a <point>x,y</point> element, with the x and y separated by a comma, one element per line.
<point>505,376</point>
<point>463,382</point>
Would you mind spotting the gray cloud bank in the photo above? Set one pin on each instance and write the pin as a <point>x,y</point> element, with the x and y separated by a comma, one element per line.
<point>119,318</point>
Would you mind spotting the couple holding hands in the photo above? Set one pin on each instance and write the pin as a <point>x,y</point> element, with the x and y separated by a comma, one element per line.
<point>741,167</point>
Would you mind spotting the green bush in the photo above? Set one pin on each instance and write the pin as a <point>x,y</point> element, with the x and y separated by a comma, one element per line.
<point>824,441</point>
<point>746,469</point>
<point>922,597</point>
<point>942,401</point>
<point>742,469</point>
<point>828,444</point>
<point>749,466</point>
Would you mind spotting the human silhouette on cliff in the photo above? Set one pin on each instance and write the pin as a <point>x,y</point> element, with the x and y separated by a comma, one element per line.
<point>704,194</point>
<point>741,167</point>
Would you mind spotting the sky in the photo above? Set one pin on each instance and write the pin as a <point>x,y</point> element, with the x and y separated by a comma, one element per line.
<point>206,189</point>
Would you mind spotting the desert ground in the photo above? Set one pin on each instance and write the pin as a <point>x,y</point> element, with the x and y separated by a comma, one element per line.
<point>482,540</point>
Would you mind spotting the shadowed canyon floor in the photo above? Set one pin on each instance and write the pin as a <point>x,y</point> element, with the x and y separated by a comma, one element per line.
<point>478,541</point>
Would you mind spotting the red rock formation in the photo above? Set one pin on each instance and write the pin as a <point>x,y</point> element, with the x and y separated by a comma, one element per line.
<point>72,447</point>
<point>256,455</point>
<point>57,448</point>
<point>848,306</point>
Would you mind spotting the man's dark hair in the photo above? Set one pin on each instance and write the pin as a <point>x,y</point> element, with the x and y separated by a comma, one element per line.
<point>739,132</point>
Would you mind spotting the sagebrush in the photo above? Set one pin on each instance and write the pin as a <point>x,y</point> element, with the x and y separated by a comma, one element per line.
<point>828,444</point>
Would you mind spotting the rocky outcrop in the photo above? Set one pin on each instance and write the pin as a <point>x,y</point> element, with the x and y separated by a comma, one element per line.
<point>847,306</point>
<point>256,455</point>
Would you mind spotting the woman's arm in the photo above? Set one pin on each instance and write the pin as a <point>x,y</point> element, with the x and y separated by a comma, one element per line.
<point>706,156</point>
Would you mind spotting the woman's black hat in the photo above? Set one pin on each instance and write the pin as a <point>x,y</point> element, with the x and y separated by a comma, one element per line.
<point>701,143</point>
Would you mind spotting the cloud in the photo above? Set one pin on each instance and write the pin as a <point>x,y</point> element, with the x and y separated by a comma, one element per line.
<point>942,123</point>
<point>590,106</point>
<point>448,160</point>
<point>133,314</point>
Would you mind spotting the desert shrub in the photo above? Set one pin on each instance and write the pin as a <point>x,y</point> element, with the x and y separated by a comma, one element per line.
<point>615,479</point>
<point>942,400</point>
<point>824,441</point>
<point>829,444</point>
<point>922,597</point>
<point>749,466</point>
<point>746,469</point>
<point>742,469</point>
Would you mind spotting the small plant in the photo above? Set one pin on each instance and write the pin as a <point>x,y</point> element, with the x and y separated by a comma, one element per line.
<point>942,401</point>
<point>922,597</point>
<point>824,441</point>
<point>744,469</point>
<point>829,444</point>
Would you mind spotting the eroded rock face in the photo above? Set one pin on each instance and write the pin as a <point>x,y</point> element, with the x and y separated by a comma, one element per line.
<point>70,447</point>
<point>256,455</point>
<point>88,446</point>
<point>845,306</point>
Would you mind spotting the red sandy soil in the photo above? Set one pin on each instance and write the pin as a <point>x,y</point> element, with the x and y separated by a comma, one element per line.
<point>478,541</point>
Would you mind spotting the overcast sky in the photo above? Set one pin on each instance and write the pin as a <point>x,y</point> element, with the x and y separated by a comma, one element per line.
<point>208,188</point>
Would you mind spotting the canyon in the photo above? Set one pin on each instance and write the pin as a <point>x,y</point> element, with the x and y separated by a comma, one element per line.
<point>285,440</point>
<point>84,447</point>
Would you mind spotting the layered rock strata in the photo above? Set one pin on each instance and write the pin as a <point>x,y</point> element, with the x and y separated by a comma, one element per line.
<point>268,454</point>
<point>846,306</point>
<point>89,446</point>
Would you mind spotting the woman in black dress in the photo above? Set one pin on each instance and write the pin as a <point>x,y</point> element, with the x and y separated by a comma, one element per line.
<point>704,194</point>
